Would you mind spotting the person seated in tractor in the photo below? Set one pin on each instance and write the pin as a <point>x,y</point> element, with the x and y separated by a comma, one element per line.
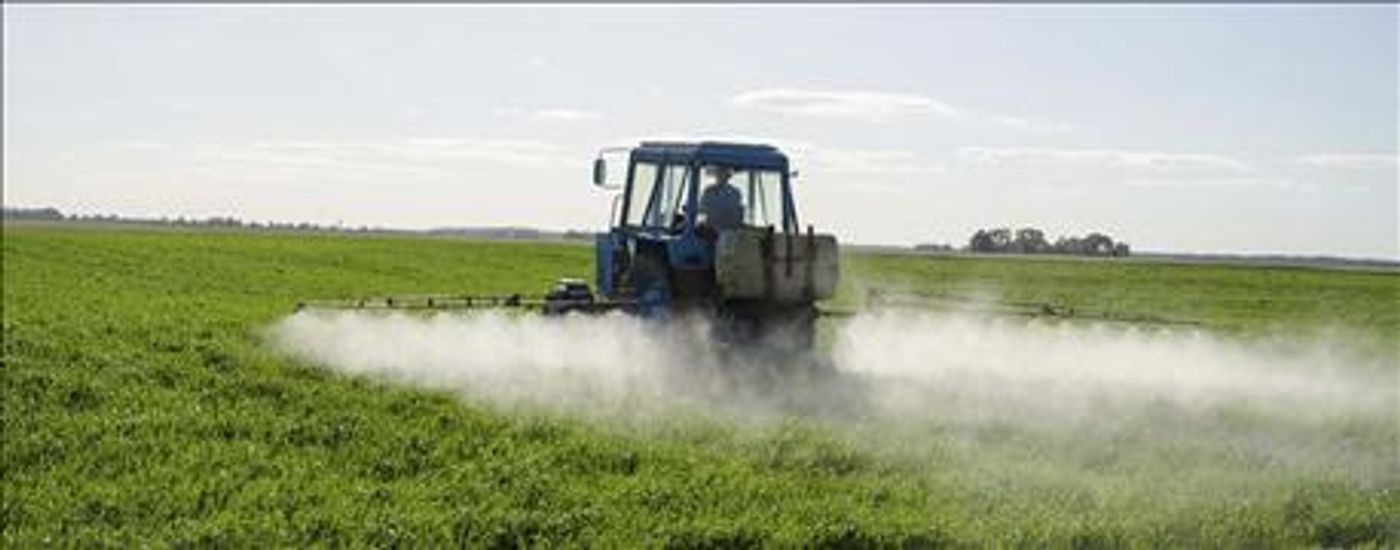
<point>721,203</point>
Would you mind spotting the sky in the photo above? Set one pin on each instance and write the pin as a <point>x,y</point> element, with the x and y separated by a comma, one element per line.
<point>1224,129</point>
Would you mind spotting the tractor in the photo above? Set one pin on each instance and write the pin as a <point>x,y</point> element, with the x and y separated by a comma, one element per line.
<point>756,275</point>
<point>757,279</point>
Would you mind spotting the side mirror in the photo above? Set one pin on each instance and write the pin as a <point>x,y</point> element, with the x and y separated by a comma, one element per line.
<point>600,172</point>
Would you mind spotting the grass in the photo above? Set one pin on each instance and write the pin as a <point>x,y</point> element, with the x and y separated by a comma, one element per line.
<point>1235,299</point>
<point>141,406</point>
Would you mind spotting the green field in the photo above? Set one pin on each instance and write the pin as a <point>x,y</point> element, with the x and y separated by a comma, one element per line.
<point>142,404</point>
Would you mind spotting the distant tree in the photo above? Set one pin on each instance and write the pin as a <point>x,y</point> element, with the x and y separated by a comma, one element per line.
<point>980,242</point>
<point>1098,244</point>
<point>933,247</point>
<point>32,214</point>
<point>990,240</point>
<point>1069,245</point>
<point>1001,239</point>
<point>1030,240</point>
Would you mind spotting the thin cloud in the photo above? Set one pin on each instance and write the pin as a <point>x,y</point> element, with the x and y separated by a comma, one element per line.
<point>1027,125</point>
<point>874,105</point>
<point>424,156</point>
<point>1216,183</point>
<point>146,145</point>
<point>1102,158</point>
<point>500,150</point>
<point>566,115</point>
<point>842,104</point>
<point>287,145</point>
<point>820,159</point>
<point>549,115</point>
<point>1352,161</point>
<point>845,160</point>
<point>323,162</point>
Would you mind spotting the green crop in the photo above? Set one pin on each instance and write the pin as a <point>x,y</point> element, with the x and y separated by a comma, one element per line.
<point>1236,299</point>
<point>143,406</point>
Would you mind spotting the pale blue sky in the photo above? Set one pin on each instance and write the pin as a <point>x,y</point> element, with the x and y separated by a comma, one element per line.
<point>1181,128</point>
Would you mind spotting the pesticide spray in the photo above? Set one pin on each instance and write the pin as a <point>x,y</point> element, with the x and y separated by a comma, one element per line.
<point>960,376</point>
<point>601,366</point>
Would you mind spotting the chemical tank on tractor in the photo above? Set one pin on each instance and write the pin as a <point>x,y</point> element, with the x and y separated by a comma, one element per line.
<point>679,242</point>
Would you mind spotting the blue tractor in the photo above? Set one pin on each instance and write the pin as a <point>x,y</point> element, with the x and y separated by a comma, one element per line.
<point>756,273</point>
<point>743,263</point>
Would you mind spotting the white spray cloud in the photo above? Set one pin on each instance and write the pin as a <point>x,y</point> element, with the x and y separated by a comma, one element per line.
<point>960,374</point>
<point>1059,369</point>
<point>571,361</point>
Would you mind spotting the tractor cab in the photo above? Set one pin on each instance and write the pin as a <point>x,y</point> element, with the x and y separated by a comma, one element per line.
<point>664,228</point>
<point>665,182</point>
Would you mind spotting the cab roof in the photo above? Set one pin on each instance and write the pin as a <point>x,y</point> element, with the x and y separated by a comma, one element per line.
<point>737,155</point>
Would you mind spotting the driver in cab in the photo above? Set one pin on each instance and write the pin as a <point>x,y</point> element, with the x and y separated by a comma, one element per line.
<point>721,203</point>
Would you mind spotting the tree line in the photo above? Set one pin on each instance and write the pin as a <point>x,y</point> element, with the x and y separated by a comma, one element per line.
<point>54,214</point>
<point>1029,240</point>
<point>230,222</point>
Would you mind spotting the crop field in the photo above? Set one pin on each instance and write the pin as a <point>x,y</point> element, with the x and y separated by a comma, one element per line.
<point>159,390</point>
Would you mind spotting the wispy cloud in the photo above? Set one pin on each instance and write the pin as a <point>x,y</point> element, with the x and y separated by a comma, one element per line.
<point>146,145</point>
<point>1219,183</point>
<point>1103,158</point>
<point>501,150</point>
<point>282,145</point>
<point>1350,161</point>
<point>1027,125</point>
<point>880,106</point>
<point>842,104</point>
<point>566,115</point>
<point>331,163</point>
<point>819,159</point>
<point>549,115</point>
<point>847,160</point>
<point>407,156</point>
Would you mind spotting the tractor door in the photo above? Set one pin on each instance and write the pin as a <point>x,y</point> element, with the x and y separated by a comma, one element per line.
<point>632,260</point>
<point>615,251</point>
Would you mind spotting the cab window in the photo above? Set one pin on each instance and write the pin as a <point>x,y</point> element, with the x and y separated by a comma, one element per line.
<point>668,199</point>
<point>640,191</point>
<point>762,192</point>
